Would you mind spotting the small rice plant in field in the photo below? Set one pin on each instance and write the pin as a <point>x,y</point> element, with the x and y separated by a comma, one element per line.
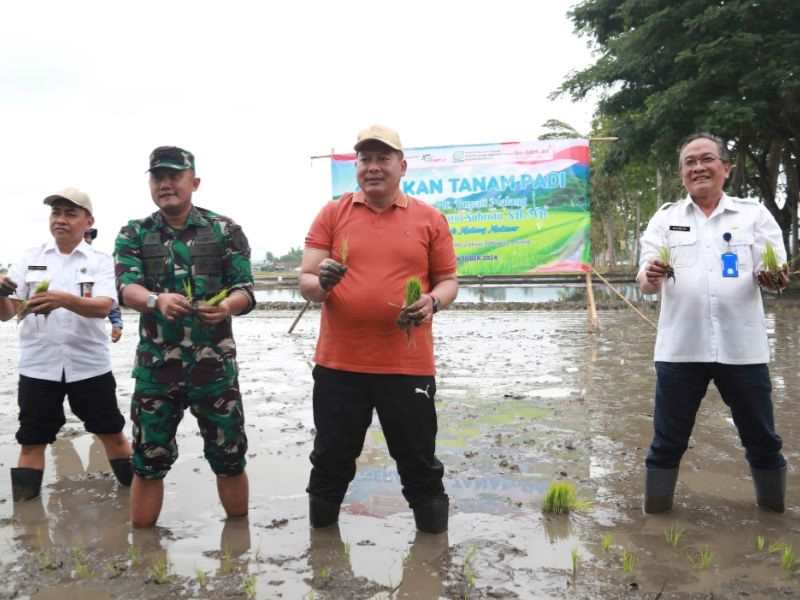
<point>574,555</point>
<point>665,258</point>
<point>788,558</point>
<point>227,565</point>
<point>760,543</point>
<point>606,542</point>
<point>561,498</point>
<point>673,534</point>
<point>628,561</point>
<point>159,572</point>
<point>249,587</point>
<point>201,577</point>
<point>701,560</point>
<point>776,547</point>
<point>80,565</point>
<point>469,572</point>
<point>772,268</point>
<point>46,560</point>
<point>135,556</point>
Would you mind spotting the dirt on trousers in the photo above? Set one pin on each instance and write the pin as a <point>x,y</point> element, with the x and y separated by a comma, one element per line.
<point>524,398</point>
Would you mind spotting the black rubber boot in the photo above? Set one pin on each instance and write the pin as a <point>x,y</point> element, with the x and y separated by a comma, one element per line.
<point>659,489</point>
<point>25,483</point>
<point>770,488</point>
<point>123,470</point>
<point>431,516</point>
<point>321,512</point>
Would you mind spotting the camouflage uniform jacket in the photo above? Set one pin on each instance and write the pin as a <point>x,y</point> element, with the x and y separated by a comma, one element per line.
<point>210,253</point>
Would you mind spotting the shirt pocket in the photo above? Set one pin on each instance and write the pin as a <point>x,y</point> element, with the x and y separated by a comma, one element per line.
<point>33,277</point>
<point>742,246</point>
<point>85,284</point>
<point>683,249</point>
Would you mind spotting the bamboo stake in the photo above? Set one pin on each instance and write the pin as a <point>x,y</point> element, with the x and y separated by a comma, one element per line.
<point>300,314</point>
<point>618,293</point>
<point>593,322</point>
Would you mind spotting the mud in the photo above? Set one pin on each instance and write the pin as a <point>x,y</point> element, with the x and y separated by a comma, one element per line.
<point>524,398</point>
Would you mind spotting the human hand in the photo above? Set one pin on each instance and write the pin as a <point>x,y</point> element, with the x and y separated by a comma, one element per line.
<point>417,313</point>
<point>7,286</point>
<point>173,306</point>
<point>654,272</point>
<point>330,273</point>
<point>44,303</point>
<point>116,333</point>
<point>212,315</point>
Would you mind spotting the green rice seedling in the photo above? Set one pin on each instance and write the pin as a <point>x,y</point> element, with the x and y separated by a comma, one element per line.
<point>788,558</point>
<point>45,560</point>
<point>702,560</point>
<point>227,565</point>
<point>201,577</point>
<point>562,498</point>
<point>217,298</point>
<point>83,571</point>
<point>344,248</point>
<point>665,258</point>
<point>606,542</point>
<point>249,587</point>
<point>412,293</point>
<point>187,291</point>
<point>159,572</point>
<point>469,572</point>
<point>135,556</point>
<point>574,556</point>
<point>628,561</point>
<point>773,269</point>
<point>673,534</point>
<point>760,542</point>
<point>776,547</point>
<point>40,288</point>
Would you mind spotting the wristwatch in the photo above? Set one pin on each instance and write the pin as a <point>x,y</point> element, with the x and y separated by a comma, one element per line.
<point>435,303</point>
<point>151,301</point>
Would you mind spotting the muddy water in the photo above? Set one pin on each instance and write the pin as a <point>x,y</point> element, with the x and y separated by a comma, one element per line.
<point>524,398</point>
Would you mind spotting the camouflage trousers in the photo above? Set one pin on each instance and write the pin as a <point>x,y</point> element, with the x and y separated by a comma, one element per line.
<point>157,410</point>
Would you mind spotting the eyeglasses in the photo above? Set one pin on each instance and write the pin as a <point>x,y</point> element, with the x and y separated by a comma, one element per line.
<point>691,162</point>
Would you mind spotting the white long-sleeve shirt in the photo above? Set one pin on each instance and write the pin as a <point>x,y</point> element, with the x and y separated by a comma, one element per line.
<point>706,317</point>
<point>64,342</point>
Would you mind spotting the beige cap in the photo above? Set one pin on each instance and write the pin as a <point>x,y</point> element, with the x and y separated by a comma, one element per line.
<point>74,195</point>
<point>381,134</point>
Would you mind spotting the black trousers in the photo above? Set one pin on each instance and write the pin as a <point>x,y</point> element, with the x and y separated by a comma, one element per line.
<point>746,389</point>
<point>343,405</point>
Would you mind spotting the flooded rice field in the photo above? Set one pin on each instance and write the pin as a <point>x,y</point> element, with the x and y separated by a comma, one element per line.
<point>524,398</point>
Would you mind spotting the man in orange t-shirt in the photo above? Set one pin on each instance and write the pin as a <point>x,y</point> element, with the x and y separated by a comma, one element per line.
<point>373,352</point>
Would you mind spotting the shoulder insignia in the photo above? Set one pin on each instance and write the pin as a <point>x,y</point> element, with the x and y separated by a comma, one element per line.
<point>666,205</point>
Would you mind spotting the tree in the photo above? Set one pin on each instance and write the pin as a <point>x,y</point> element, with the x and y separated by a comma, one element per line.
<point>671,67</point>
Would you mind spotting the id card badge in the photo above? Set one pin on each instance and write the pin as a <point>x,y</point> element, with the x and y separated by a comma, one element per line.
<point>730,264</point>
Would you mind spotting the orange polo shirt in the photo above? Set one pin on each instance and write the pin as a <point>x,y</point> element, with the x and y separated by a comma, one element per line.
<point>357,330</point>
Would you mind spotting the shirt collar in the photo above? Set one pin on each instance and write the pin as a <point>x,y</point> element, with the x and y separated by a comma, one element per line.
<point>725,203</point>
<point>400,199</point>
<point>195,219</point>
<point>82,247</point>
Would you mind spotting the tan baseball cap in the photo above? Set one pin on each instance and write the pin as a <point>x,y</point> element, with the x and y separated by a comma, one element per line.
<point>73,195</point>
<point>381,134</point>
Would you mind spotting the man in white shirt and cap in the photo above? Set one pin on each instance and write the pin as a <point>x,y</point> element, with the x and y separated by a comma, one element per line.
<point>64,349</point>
<point>711,326</point>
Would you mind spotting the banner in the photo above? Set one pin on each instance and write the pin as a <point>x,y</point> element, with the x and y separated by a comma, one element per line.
<point>513,208</point>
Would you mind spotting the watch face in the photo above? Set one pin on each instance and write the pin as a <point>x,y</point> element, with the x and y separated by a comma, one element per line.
<point>151,301</point>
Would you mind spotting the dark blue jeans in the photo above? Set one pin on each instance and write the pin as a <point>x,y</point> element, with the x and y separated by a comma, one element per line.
<point>343,407</point>
<point>746,389</point>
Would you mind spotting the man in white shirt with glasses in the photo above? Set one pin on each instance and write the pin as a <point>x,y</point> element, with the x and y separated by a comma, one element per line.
<point>711,326</point>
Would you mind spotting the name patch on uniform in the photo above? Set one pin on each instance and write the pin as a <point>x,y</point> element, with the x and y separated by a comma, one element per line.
<point>679,228</point>
<point>37,267</point>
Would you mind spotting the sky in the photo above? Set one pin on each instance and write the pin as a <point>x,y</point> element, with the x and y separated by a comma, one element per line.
<point>254,90</point>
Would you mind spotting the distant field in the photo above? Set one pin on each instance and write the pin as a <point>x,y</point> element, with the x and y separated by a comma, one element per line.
<point>547,240</point>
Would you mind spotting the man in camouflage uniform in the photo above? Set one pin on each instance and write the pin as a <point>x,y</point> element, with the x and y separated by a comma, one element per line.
<point>167,266</point>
